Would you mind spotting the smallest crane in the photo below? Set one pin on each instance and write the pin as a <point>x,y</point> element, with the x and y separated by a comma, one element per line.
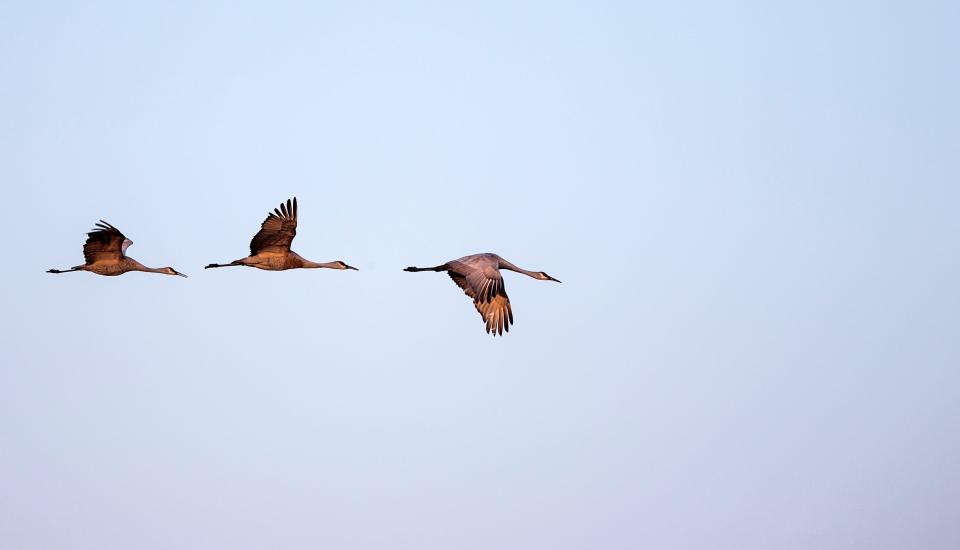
<point>106,254</point>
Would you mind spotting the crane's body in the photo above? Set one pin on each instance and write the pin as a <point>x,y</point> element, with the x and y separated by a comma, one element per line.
<point>270,247</point>
<point>479,277</point>
<point>106,254</point>
<point>280,262</point>
<point>112,269</point>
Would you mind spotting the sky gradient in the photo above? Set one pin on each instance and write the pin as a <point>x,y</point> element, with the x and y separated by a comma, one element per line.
<point>752,208</point>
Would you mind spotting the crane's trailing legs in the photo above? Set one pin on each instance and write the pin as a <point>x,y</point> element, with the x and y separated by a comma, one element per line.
<point>443,267</point>
<point>237,262</point>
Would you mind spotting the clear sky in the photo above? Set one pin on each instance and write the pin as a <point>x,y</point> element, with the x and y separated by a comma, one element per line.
<point>753,210</point>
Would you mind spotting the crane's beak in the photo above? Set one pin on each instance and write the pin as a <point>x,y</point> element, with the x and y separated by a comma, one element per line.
<point>350,267</point>
<point>181,274</point>
<point>556,280</point>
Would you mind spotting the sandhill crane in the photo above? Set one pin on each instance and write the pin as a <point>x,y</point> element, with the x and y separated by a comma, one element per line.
<point>270,247</point>
<point>105,253</point>
<point>479,277</point>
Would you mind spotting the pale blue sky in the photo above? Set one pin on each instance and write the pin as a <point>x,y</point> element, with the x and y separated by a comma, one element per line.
<point>753,208</point>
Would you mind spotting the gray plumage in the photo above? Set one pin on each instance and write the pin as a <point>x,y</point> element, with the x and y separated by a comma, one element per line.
<point>105,253</point>
<point>479,277</point>
<point>270,247</point>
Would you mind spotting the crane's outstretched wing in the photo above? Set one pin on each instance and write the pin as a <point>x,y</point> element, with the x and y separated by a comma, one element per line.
<point>277,231</point>
<point>105,243</point>
<point>490,298</point>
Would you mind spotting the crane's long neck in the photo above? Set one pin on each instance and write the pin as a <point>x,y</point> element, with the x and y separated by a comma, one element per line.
<point>507,265</point>
<point>307,264</point>
<point>137,266</point>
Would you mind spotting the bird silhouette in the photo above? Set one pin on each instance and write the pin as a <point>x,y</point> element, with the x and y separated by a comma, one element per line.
<point>270,247</point>
<point>479,277</point>
<point>105,254</point>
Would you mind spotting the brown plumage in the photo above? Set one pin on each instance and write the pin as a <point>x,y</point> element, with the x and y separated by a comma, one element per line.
<point>270,247</point>
<point>479,277</point>
<point>489,296</point>
<point>277,231</point>
<point>105,254</point>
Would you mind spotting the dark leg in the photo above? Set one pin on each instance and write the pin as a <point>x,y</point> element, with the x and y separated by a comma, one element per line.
<point>223,265</point>
<point>437,268</point>
<point>63,270</point>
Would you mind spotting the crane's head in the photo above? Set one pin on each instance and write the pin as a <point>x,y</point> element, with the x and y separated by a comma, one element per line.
<point>172,271</point>
<point>341,265</point>
<point>544,277</point>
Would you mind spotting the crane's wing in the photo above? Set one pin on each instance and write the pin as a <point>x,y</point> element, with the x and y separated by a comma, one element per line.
<point>490,298</point>
<point>277,231</point>
<point>105,243</point>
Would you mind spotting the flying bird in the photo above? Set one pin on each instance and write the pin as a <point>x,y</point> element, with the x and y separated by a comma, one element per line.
<point>105,253</point>
<point>479,277</point>
<point>270,247</point>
